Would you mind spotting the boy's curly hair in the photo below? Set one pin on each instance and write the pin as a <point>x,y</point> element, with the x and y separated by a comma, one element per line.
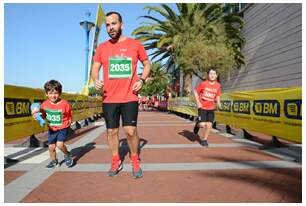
<point>53,85</point>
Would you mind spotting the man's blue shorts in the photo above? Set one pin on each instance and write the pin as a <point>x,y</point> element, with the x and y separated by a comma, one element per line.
<point>57,136</point>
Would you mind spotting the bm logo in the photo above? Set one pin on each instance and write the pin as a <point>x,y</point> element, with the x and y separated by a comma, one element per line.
<point>14,108</point>
<point>269,108</point>
<point>293,109</point>
<point>226,106</point>
<point>242,107</point>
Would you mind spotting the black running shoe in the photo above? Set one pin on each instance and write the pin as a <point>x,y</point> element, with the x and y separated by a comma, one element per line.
<point>68,160</point>
<point>204,143</point>
<point>52,164</point>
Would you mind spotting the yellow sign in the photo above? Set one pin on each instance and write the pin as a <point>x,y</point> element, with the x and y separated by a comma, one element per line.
<point>276,112</point>
<point>19,123</point>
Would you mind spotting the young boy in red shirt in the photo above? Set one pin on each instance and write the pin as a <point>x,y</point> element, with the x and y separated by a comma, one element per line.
<point>57,112</point>
<point>206,95</point>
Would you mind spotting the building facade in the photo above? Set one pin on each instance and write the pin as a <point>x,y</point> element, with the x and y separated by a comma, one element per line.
<point>273,49</point>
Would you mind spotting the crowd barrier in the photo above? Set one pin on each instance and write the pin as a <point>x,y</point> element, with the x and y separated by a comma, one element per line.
<point>276,112</point>
<point>18,122</point>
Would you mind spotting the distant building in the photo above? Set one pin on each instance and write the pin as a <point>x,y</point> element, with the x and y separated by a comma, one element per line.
<point>273,49</point>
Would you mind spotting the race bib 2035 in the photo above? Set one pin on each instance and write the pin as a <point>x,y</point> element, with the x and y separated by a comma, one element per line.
<point>120,67</point>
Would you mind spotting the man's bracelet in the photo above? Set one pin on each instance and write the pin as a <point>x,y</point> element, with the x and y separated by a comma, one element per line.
<point>142,80</point>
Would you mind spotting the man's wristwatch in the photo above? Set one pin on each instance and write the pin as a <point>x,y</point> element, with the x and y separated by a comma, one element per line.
<point>142,80</point>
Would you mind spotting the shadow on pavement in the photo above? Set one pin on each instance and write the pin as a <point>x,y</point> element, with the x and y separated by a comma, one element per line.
<point>190,136</point>
<point>10,159</point>
<point>79,152</point>
<point>290,186</point>
<point>124,147</point>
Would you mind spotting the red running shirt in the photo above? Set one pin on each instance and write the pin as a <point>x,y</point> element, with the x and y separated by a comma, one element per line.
<point>58,115</point>
<point>208,94</point>
<point>119,61</point>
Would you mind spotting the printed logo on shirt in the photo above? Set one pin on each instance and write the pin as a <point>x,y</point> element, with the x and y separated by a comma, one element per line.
<point>208,96</point>
<point>214,90</point>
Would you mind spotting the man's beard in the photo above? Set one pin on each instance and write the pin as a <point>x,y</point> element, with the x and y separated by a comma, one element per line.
<point>117,35</point>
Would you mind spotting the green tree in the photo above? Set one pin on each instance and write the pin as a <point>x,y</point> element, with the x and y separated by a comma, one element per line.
<point>200,54</point>
<point>204,30</point>
<point>93,92</point>
<point>158,81</point>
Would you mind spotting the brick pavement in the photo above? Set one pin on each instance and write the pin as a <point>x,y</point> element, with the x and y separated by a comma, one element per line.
<point>176,169</point>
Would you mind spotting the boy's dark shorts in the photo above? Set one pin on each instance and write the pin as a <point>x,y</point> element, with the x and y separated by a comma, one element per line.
<point>128,112</point>
<point>206,115</point>
<point>57,136</point>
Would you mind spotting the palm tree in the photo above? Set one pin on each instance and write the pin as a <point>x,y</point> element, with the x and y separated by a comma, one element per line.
<point>158,81</point>
<point>205,23</point>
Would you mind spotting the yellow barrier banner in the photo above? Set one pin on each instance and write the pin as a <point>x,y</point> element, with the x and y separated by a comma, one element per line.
<point>19,123</point>
<point>185,105</point>
<point>276,112</point>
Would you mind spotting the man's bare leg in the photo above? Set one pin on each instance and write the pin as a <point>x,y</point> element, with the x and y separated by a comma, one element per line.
<point>113,140</point>
<point>132,138</point>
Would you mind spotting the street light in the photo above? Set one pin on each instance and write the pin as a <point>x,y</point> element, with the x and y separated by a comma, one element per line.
<point>87,25</point>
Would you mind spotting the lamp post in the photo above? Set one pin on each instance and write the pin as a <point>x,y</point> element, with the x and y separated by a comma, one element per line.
<point>87,25</point>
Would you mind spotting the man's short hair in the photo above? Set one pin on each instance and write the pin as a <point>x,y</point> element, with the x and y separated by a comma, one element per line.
<point>53,85</point>
<point>114,12</point>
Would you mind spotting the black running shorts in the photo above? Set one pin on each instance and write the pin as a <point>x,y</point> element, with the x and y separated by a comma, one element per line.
<point>128,112</point>
<point>206,115</point>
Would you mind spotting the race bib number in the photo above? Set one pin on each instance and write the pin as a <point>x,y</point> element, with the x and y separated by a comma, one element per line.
<point>120,67</point>
<point>54,117</point>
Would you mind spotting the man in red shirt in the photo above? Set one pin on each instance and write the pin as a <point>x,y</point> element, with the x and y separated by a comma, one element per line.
<point>119,57</point>
<point>206,95</point>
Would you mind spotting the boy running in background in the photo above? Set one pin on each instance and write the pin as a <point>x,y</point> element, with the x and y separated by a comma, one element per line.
<point>206,95</point>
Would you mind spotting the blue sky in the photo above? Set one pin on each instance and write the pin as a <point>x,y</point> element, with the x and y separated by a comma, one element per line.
<point>45,41</point>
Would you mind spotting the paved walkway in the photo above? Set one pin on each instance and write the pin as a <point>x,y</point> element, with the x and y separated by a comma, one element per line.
<point>176,169</point>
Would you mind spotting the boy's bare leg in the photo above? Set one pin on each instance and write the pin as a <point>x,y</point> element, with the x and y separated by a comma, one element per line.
<point>68,159</point>
<point>62,147</point>
<point>202,125</point>
<point>52,151</point>
<point>207,130</point>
